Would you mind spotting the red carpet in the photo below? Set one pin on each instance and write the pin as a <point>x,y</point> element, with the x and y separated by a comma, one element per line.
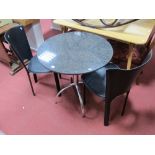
<point>22,113</point>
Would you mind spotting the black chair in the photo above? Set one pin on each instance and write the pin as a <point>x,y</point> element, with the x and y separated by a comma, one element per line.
<point>111,81</point>
<point>148,46</point>
<point>16,38</point>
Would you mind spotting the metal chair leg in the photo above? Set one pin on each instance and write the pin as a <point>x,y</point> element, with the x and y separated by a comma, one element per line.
<point>35,78</point>
<point>57,82</point>
<point>84,94</point>
<point>71,80</point>
<point>31,84</point>
<point>60,76</point>
<point>138,77</point>
<point>106,113</point>
<point>125,102</point>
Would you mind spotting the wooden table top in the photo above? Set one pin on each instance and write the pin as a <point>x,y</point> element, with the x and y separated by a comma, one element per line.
<point>25,22</point>
<point>136,33</point>
<point>5,28</point>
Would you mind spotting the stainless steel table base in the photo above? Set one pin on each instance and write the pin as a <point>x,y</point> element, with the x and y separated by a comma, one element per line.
<point>75,84</point>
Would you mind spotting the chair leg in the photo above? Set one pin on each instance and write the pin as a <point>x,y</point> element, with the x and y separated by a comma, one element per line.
<point>57,82</point>
<point>35,78</point>
<point>125,102</point>
<point>71,80</point>
<point>60,76</point>
<point>106,113</point>
<point>31,84</point>
<point>138,77</point>
<point>84,94</point>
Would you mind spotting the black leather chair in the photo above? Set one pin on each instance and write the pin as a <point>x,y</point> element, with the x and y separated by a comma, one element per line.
<point>111,81</point>
<point>16,38</point>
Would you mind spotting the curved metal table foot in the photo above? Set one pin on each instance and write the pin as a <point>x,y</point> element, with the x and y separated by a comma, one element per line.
<point>81,101</point>
<point>63,89</point>
<point>78,92</point>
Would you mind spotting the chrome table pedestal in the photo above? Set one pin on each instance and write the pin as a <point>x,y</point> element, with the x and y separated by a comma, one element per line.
<point>75,83</point>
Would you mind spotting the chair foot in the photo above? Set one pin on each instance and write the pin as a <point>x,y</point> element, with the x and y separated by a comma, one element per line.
<point>106,124</point>
<point>31,84</point>
<point>35,78</point>
<point>71,79</point>
<point>106,113</point>
<point>57,82</point>
<point>60,76</point>
<point>138,78</point>
<point>84,94</point>
<point>83,116</point>
<point>125,102</point>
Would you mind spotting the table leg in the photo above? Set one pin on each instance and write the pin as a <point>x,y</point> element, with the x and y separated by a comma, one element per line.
<point>131,51</point>
<point>75,84</point>
<point>57,82</point>
<point>64,29</point>
<point>10,60</point>
<point>81,101</point>
<point>63,89</point>
<point>3,54</point>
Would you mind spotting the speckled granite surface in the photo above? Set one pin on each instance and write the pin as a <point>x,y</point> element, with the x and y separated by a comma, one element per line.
<point>75,53</point>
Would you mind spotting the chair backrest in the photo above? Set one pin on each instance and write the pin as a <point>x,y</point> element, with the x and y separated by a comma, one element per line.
<point>119,81</point>
<point>17,39</point>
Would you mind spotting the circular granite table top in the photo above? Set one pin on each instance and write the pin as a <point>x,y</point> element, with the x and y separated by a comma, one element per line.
<point>75,53</point>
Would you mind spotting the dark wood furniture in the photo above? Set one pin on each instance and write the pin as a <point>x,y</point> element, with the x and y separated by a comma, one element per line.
<point>5,57</point>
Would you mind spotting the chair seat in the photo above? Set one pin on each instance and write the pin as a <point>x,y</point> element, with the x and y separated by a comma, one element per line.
<point>96,81</point>
<point>36,67</point>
